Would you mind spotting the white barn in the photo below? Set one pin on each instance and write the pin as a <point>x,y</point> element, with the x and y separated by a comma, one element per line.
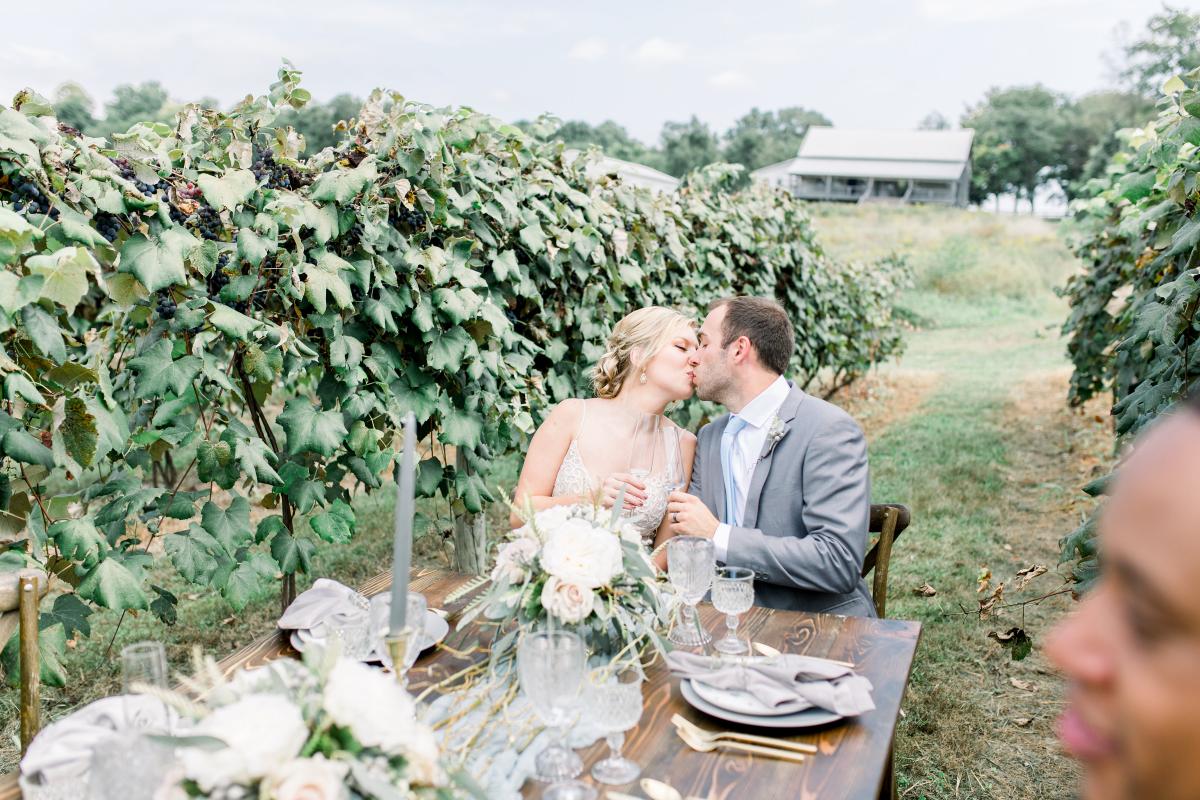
<point>630,172</point>
<point>847,165</point>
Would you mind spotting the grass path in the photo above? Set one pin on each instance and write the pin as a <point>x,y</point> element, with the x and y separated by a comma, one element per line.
<point>990,462</point>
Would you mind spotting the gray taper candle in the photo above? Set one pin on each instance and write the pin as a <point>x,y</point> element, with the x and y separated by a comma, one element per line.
<point>402,544</point>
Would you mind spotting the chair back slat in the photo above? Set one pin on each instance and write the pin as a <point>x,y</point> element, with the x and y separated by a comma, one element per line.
<point>889,521</point>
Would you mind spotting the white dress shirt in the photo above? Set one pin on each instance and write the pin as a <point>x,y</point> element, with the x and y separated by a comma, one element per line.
<point>747,446</point>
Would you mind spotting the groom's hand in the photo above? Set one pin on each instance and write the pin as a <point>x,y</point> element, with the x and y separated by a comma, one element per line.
<point>688,516</point>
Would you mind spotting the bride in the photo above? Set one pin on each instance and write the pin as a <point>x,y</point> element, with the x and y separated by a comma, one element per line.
<point>582,450</point>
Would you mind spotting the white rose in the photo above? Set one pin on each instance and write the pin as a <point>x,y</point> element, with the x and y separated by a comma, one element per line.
<point>567,601</point>
<point>313,778</point>
<point>579,553</point>
<point>371,704</point>
<point>421,753</point>
<point>514,560</point>
<point>261,731</point>
<point>547,520</point>
<point>630,533</point>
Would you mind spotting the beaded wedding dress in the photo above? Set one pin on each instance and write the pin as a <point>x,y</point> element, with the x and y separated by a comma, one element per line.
<point>574,479</point>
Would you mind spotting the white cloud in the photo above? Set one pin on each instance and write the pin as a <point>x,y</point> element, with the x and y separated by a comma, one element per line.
<point>988,10</point>
<point>501,95</point>
<point>729,79</point>
<point>588,50</point>
<point>660,51</point>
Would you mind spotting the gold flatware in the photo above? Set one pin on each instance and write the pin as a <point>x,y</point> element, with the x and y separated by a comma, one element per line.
<point>705,746</point>
<point>771,652</point>
<point>703,734</point>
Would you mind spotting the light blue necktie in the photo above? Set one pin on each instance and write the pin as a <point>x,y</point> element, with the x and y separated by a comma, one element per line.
<point>732,429</point>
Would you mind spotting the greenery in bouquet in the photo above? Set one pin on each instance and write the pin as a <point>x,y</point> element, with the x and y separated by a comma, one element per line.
<point>324,728</point>
<point>572,567</point>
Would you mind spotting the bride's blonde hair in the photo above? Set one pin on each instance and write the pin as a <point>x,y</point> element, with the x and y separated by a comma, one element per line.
<point>648,330</point>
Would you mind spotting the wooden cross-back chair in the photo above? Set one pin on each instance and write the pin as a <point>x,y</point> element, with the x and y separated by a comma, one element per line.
<point>888,520</point>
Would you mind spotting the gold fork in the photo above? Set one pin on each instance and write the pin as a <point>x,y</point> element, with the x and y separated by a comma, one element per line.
<point>706,746</point>
<point>717,737</point>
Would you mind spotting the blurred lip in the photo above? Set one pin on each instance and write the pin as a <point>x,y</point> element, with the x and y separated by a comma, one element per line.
<point>1081,739</point>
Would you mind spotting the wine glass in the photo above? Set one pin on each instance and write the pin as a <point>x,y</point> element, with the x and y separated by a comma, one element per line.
<point>411,636</point>
<point>690,564</point>
<point>550,667</point>
<point>143,664</point>
<point>673,458</point>
<point>645,457</point>
<point>732,595</point>
<point>614,698</point>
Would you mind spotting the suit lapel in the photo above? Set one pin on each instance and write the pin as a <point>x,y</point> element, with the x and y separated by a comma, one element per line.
<point>714,457</point>
<point>787,415</point>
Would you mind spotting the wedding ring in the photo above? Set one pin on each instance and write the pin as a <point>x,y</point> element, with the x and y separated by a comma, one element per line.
<point>675,517</point>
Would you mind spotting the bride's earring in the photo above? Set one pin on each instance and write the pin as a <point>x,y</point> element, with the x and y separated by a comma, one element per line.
<point>642,379</point>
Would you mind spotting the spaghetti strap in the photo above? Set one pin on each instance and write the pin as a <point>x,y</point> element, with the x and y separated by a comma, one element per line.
<point>582,417</point>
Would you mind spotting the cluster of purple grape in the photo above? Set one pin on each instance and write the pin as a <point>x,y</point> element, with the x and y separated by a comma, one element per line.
<point>276,175</point>
<point>28,197</point>
<point>216,282</point>
<point>401,216</point>
<point>166,305</point>
<point>208,223</point>
<point>108,225</point>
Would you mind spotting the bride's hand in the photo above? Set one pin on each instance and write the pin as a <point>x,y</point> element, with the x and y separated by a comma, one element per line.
<point>635,491</point>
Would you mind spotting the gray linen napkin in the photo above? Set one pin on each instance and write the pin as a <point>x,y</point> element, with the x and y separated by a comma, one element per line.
<point>64,748</point>
<point>326,602</point>
<point>781,680</point>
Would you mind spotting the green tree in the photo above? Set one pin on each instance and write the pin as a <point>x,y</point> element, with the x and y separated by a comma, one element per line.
<point>315,121</point>
<point>74,106</point>
<point>610,137</point>
<point>688,145</point>
<point>1020,138</point>
<point>933,121</point>
<point>1169,46</point>
<point>1095,120</point>
<point>146,102</point>
<point>759,138</point>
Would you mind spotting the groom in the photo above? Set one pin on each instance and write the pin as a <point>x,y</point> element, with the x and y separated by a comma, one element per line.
<point>780,484</point>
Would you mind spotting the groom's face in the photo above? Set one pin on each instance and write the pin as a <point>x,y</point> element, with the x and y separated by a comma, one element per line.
<point>710,362</point>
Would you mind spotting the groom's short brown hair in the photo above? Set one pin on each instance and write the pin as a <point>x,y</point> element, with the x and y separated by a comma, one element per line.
<point>764,322</point>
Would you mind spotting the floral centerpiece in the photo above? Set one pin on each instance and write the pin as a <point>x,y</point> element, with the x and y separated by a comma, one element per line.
<point>570,566</point>
<point>325,728</point>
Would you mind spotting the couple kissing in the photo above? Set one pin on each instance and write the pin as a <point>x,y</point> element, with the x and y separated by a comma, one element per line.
<point>780,484</point>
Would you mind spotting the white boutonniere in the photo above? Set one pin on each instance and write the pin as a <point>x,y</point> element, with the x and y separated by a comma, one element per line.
<point>775,432</point>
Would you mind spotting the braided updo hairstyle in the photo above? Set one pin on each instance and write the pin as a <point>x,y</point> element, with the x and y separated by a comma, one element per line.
<point>648,330</point>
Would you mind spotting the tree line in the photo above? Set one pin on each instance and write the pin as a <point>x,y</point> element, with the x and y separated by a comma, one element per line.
<point>1025,136</point>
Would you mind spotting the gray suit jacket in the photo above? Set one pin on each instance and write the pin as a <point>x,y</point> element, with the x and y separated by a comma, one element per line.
<point>804,530</point>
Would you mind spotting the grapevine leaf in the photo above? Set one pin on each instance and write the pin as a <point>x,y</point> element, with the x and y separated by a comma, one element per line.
<point>342,186</point>
<point>16,385</point>
<point>232,323</point>
<point>164,605</point>
<point>112,585</point>
<point>256,458</point>
<point>335,525</point>
<point>44,331</point>
<point>69,612</point>
<point>229,526</point>
<point>22,447</point>
<point>308,429</point>
<point>65,274</point>
<point>429,477</point>
<point>461,428</point>
<point>324,279</point>
<point>158,373</point>
<point>293,553</point>
<point>79,432</point>
<point>228,191</point>
<point>303,493</point>
<point>158,261</point>
<point>191,558</point>
<point>249,579</point>
<point>447,349</point>
<point>16,237</point>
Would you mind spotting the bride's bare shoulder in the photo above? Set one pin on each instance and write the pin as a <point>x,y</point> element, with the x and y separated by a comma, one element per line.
<point>685,435</point>
<point>565,415</point>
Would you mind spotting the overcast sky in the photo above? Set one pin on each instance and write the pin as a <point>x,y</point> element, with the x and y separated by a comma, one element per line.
<point>863,63</point>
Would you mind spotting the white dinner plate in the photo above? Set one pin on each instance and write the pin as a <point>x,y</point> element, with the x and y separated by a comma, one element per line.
<point>808,718</point>
<point>743,702</point>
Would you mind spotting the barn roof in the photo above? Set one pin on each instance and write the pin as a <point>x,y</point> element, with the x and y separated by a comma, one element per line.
<point>850,153</point>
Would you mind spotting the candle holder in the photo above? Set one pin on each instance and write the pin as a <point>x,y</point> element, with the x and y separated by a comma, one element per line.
<point>398,649</point>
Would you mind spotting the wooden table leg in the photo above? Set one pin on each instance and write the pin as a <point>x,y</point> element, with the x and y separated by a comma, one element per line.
<point>887,789</point>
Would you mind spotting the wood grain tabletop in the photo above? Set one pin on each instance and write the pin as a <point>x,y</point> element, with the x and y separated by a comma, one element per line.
<point>854,756</point>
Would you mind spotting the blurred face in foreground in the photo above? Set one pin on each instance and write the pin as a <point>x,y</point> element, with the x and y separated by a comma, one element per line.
<point>1132,649</point>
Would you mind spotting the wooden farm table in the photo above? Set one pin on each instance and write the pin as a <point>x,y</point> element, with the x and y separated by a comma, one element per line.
<point>854,758</point>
